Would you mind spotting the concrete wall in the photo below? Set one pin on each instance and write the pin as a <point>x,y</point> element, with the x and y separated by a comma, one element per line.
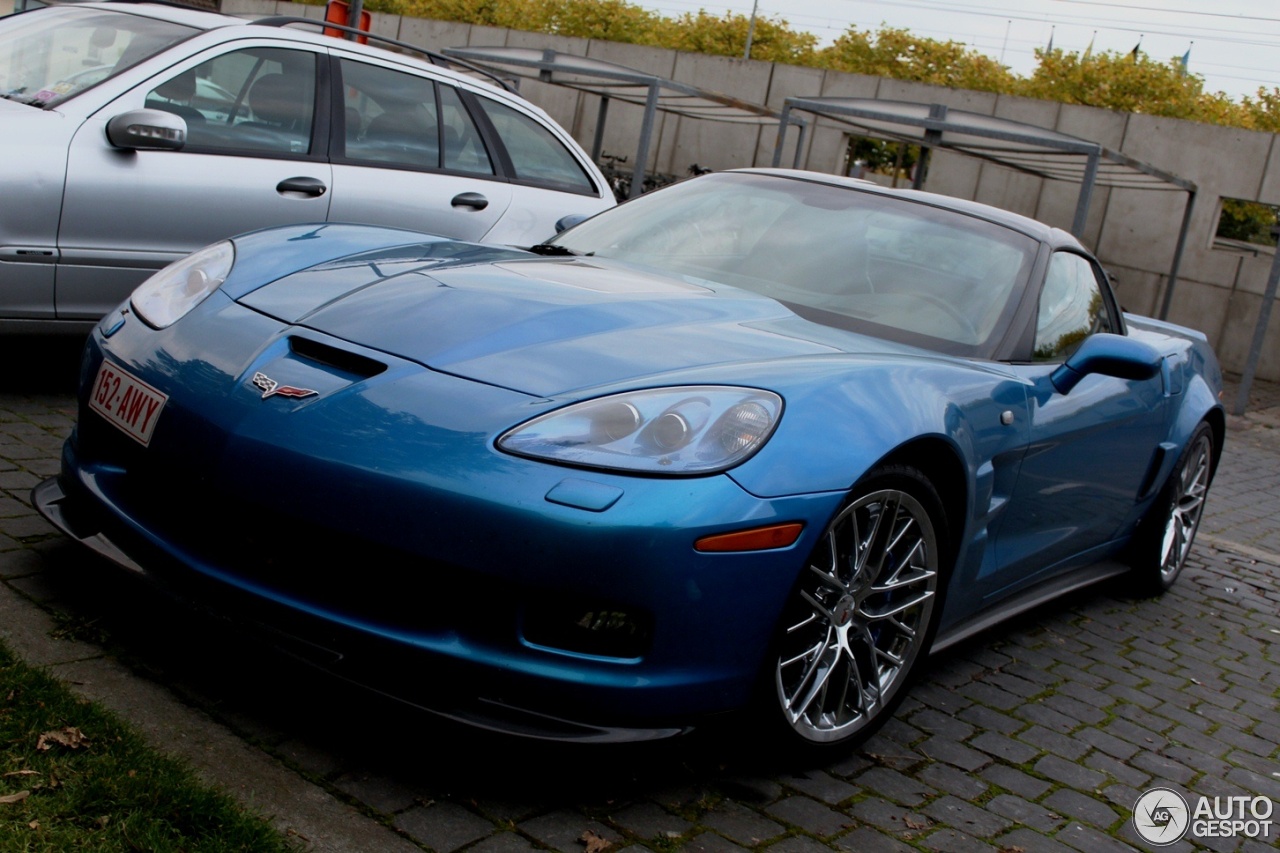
<point>1134,232</point>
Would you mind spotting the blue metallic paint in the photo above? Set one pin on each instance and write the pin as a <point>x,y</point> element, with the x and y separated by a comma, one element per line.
<point>471,351</point>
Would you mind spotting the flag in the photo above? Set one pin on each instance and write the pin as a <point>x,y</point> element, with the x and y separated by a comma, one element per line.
<point>1049,49</point>
<point>1137,47</point>
<point>1186,57</point>
<point>1088,51</point>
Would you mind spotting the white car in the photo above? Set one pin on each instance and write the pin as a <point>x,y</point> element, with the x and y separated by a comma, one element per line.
<point>132,134</point>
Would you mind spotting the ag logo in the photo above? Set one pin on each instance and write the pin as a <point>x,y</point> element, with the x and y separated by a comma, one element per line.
<point>1161,816</point>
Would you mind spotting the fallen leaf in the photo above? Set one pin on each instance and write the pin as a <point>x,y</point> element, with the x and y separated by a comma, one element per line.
<point>103,821</point>
<point>595,843</point>
<point>35,824</point>
<point>914,824</point>
<point>22,773</point>
<point>70,737</point>
<point>14,798</point>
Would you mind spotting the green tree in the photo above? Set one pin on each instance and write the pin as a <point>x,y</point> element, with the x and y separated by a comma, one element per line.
<point>897,53</point>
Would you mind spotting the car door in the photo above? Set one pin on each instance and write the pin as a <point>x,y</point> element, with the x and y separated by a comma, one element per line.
<point>407,153</point>
<point>257,121</point>
<point>1090,451</point>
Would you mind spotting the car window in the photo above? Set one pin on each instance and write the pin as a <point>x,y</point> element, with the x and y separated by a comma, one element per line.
<point>842,257</point>
<point>464,149</point>
<point>1072,307</point>
<point>253,100</point>
<point>391,117</point>
<point>49,57</point>
<point>536,155</point>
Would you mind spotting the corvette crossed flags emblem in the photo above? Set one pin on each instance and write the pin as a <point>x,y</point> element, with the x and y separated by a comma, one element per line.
<point>269,387</point>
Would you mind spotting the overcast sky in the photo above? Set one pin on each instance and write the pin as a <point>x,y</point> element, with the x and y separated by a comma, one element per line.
<point>1234,44</point>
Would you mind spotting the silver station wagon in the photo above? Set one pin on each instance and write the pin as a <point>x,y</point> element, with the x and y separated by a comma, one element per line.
<point>134,133</point>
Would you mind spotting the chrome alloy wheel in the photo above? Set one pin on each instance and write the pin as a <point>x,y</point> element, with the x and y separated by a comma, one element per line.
<point>1190,487</point>
<point>859,618</point>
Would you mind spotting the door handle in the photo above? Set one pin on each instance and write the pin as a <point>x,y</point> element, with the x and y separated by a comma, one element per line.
<point>305,186</point>
<point>475,201</point>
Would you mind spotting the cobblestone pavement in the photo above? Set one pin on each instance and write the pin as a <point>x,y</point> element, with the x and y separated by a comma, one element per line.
<point>1037,736</point>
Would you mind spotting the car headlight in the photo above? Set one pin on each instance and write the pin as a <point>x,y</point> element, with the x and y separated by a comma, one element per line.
<point>167,296</point>
<point>688,430</point>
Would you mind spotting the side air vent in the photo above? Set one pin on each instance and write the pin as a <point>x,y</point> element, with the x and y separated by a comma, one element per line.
<point>344,360</point>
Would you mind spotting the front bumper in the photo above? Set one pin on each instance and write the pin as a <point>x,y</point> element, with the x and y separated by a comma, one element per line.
<point>423,582</point>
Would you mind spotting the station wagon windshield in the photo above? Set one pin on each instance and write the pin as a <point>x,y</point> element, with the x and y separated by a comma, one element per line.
<point>47,58</point>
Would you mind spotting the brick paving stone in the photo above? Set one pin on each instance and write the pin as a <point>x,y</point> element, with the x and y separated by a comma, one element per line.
<point>986,718</point>
<point>944,725</point>
<point>443,827</point>
<point>822,786</point>
<point>955,841</point>
<point>1093,812</point>
<point>867,840</point>
<point>1069,773</point>
<point>742,825</point>
<point>709,842</point>
<point>944,777</point>
<point>1030,841</point>
<point>894,786</point>
<point>799,844</point>
<point>810,816</point>
<point>1050,718</point>
<point>968,818</point>
<point>1164,769</point>
<point>377,791</point>
<point>1016,782</point>
<point>561,829</point>
<point>890,816</point>
<point>1066,746</point>
<point>1104,742</point>
<point>503,842</point>
<point>1004,748</point>
<point>948,750</point>
<point>1024,813</point>
<point>1117,769</point>
<point>648,820</point>
<point>1089,840</point>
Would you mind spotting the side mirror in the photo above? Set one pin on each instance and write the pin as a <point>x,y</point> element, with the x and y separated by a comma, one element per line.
<point>147,129</point>
<point>567,222</point>
<point>1110,355</point>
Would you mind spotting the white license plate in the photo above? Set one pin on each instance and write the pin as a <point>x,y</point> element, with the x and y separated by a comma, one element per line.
<point>128,403</point>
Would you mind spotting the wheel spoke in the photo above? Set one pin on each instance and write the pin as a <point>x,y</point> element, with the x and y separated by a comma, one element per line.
<point>828,579</point>
<point>818,607</point>
<point>896,608</point>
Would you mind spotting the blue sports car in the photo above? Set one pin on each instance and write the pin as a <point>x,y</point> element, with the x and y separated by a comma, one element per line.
<point>760,440</point>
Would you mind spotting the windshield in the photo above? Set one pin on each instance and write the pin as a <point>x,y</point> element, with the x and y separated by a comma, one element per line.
<point>881,265</point>
<point>49,55</point>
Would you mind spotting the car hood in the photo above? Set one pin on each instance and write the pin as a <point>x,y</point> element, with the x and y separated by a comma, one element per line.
<point>545,326</point>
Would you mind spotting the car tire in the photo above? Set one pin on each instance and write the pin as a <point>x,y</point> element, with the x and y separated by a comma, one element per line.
<point>862,615</point>
<point>1165,535</point>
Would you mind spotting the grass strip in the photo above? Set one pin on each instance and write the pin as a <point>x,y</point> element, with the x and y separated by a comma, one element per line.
<point>75,777</point>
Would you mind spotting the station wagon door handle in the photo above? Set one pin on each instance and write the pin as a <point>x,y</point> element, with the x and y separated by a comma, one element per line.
<point>475,201</point>
<point>304,186</point>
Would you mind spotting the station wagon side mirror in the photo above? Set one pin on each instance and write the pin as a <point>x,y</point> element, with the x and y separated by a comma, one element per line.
<point>1110,355</point>
<point>147,129</point>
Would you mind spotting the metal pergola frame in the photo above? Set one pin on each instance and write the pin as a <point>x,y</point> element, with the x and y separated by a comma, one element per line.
<point>1026,148</point>
<point>612,82</point>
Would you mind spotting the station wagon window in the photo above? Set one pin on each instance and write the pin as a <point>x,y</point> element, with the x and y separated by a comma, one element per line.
<point>259,100</point>
<point>1072,307</point>
<point>536,155</point>
<point>464,149</point>
<point>391,117</point>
